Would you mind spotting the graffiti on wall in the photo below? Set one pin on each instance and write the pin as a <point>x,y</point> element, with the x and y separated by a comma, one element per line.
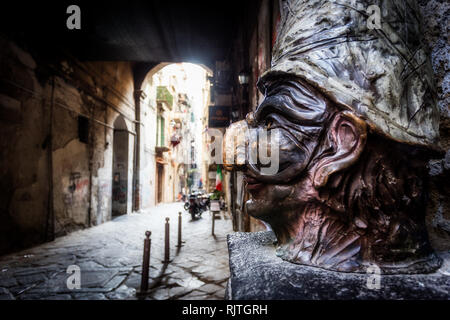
<point>74,196</point>
<point>76,189</point>
<point>73,181</point>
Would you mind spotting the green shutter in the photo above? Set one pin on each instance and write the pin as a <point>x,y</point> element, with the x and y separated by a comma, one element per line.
<point>158,130</point>
<point>162,132</point>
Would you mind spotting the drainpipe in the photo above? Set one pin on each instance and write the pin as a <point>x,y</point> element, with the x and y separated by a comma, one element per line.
<point>137,159</point>
<point>91,157</point>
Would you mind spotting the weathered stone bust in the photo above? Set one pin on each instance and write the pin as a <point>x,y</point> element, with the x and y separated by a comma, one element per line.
<point>358,121</point>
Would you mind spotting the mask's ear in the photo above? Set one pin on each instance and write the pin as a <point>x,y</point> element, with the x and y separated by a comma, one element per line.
<point>347,134</point>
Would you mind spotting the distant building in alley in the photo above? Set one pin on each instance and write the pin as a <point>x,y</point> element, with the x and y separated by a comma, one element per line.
<point>170,140</point>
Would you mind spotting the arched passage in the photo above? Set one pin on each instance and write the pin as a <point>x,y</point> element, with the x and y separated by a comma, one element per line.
<point>120,168</point>
<point>172,97</point>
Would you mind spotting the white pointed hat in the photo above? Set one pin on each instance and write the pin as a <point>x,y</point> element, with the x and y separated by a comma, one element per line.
<point>380,71</point>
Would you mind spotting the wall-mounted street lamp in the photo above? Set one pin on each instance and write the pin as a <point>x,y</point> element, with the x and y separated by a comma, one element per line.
<point>243,77</point>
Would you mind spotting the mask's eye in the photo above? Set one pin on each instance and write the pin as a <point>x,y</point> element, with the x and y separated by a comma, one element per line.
<point>268,123</point>
<point>272,121</point>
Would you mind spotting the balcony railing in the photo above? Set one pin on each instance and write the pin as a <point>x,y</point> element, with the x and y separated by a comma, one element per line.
<point>163,95</point>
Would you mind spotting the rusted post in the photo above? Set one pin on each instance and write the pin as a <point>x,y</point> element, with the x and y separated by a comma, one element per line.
<point>215,208</point>
<point>167,243</point>
<point>146,262</point>
<point>179,230</point>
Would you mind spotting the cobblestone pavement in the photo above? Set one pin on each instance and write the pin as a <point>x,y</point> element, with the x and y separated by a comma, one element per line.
<point>110,260</point>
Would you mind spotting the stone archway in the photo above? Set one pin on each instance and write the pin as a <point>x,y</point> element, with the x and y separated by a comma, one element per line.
<point>120,168</point>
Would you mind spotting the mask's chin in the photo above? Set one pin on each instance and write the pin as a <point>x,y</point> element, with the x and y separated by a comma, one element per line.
<point>280,205</point>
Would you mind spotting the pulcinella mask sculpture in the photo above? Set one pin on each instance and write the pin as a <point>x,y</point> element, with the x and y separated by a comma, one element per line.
<point>355,110</point>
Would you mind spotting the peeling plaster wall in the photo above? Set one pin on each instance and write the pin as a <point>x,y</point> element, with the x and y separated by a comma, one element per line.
<point>71,177</point>
<point>82,172</point>
<point>82,175</point>
<point>71,186</point>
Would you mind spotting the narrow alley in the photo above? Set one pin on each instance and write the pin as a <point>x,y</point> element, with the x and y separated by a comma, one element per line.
<point>110,260</point>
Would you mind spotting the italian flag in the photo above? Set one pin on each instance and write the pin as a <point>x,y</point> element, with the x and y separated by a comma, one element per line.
<point>219,178</point>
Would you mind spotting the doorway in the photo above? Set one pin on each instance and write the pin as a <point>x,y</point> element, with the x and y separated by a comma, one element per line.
<point>160,182</point>
<point>120,168</point>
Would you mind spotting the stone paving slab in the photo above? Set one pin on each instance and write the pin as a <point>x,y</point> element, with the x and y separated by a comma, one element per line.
<point>110,259</point>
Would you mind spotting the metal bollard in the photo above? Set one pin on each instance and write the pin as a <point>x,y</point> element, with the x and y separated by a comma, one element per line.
<point>179,230</point>
<point>167,243</point>
<point>146,262</point>
<point>215,209</point>
<point>213,221</point>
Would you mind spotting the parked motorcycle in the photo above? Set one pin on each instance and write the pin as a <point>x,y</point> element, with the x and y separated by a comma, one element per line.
<point>205,202</point>
<point>199,202</point>
<point>195,205</point>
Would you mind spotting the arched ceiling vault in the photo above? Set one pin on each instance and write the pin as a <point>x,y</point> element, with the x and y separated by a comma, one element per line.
<point>151,31</point>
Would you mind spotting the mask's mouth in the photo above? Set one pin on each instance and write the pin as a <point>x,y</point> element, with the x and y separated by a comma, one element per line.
<point>253,185</point>
<point>282,177</point>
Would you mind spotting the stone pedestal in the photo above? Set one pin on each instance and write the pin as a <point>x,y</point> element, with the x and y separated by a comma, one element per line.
<point>257,273</point>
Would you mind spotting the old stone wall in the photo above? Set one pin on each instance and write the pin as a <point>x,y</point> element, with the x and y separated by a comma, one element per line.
<point>56,175</point>
<point>82,170</point>
<point>24,170</point>
<point>436,15</point>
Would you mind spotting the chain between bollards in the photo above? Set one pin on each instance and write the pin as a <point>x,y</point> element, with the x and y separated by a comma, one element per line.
<point>179,230</point>
<point>146,262</point>
<point>167,243</point>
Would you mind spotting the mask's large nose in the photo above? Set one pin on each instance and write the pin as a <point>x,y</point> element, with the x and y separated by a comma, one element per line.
<point>235,144</point>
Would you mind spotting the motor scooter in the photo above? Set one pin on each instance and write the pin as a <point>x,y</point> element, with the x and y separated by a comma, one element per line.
<point>194,206</point>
